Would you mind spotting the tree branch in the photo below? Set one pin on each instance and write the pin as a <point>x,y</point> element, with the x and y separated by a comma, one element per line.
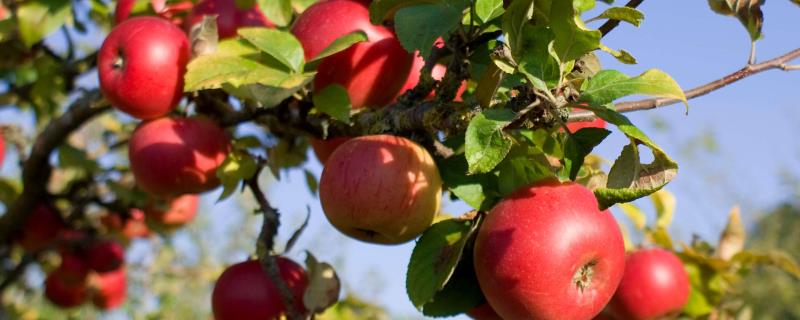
<point>611,24</point>
<point>36,169</point>
<point>266,240</point>
<point>749,70</point>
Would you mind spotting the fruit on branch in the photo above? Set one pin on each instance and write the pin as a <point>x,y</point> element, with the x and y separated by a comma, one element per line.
<point>596,123</point>
<point>654,285</point>
<point>245,291</point>
<point>141,66</point>
<point>105,255</point>
<point>373,72</point>
<point>547,252</point>
<point>483,312</point>
<point>109,289</point>
<point>174,156</point>
<point>130,228</point>
<point>41,228</point>
<point>380,189</point>
<point>324,148</point>
<point>63,293</point>
<point>171,12</point>
<point>173,213</point>
<point>73,268</point>
<point>437,73</point>
<point>2,144</point>
<point>229,16</point>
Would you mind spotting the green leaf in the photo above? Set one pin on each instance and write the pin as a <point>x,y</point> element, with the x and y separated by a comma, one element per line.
<point>572,38</point>
<point>697,305</point>
<point>609,85</point>
<point>774,258</point>
<point>434,258</point>
<point>747,11</point>
<point>9,191</point>
<point>578,146</point>
<point>71,157</point>
<point>237,166</point>
<point>627,14</point>
<point>534,57</point>
<point>382,10</point>
<point>311,182</point>
<point>338,45</point>
<point>486,10</point>
<point>278,11</point>
<point>419,26</point>
<point>621,55</point>
<point>517,15</point>
<point>486,143</point>
<point>472,189</point>
<point>334,101</point>
<point>583,5</point>
<point>39,18</point>
<point>281,45</point>
<point>664,202</point>
<point>270,95</point>
<point>635,214</point>
<point>520,170</point>
<point>628,178</point>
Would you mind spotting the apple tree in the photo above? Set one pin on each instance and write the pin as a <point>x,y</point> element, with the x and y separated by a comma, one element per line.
<point>495,104</point>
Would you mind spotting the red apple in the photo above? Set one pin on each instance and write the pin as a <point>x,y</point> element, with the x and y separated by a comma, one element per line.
<point>596,123</point>
<point>547,252</point>
<point>171,12</point>
<point>73,268</point>
<point>655,285</point>
<point>109,289</point>
<point>2,142</point>
<point>63,293</point>
<point>133,227</point>
<point>141,66</point>
<point>41,228</point>
<point>437,73</point>
<point>174,156</point>
<point>229,16</point>
<point>324,148</point>
<point>372,72</point>
<point>483,312</point>
<point>105,256</point>
<point>380,189</point>
<point>173,213</point>
<point>3,15</point>
<point>244,291</point>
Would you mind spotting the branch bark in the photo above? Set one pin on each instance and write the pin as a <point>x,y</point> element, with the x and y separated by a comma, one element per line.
<point>36,169</point>
<point>749,70</point>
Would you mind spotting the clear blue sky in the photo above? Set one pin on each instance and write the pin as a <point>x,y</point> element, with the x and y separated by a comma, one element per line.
<point>753,123</point>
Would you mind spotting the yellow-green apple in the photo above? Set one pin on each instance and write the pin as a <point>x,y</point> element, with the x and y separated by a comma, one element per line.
<point>547,252</point>
<point>244,291</point>
<point>141,66</point>
<point>174,156</point>
<point>105,255</point>
<point>381,189</point>
<point>41,228</point>
<point>109,289</point>
<point>654,285</point>
<point>229,16</point>
<point>373,71</point>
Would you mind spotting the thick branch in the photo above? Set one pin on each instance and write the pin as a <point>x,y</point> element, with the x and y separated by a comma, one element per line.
<point>266,238</point>
<point>611,24</point>
<point>36,169</point>
<point>749,70</point>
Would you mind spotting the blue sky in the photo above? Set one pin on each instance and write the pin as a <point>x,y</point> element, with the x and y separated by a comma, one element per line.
<point>753,123</point>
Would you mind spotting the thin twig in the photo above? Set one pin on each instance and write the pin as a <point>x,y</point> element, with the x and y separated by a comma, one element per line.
<point>749,70</point>
<point>269,228</point>
<point>611,24</point>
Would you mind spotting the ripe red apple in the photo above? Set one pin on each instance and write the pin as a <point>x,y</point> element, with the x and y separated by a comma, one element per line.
<point>483,312</point>
<point>2,142</point>
<point>596,123</point>
<point>105,255</point>
<point>380,189</point>
<point>133,227</point>
<point>372,72</point>
<point>655,284</point>
<point>109,289</point>
<point>244,291</point>
<point>141,66</point>
<point>62,293</point>
<point>229,16</point>
<point>547,252</point>
<point>174,156</point>
<point>73,268</point>
<point>41,228</point>
<point>324,148</point>
<point>173,213</point>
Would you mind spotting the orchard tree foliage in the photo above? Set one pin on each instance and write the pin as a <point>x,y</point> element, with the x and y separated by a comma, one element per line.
<point>498,104</point>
